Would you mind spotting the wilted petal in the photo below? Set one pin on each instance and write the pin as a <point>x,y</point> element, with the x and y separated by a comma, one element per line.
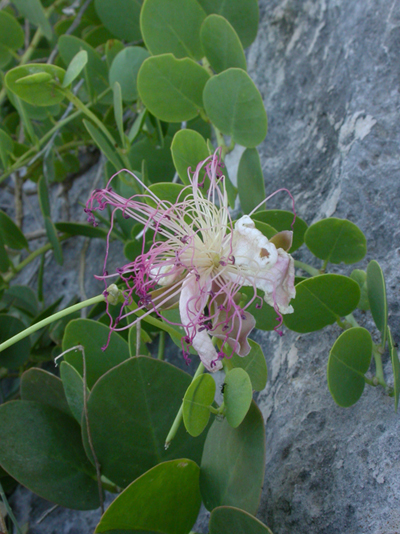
<point>238,330</point>
<point>192,302</point>
<point>278,283</point>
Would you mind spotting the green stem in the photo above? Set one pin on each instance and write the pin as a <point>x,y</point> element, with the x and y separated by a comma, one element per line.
<point>153,321</point>
<point>351,319</point>
<point>179,416</point>
<point>25,158</point>
<point>161,345</point>
<point>378,365</point>
<point>324,265</point>
<point>9,510</point>
<point>307,268</point>
<point>31,257</point>
<point>341,324</point>
<point>48,320</point>
<point>369,381</point>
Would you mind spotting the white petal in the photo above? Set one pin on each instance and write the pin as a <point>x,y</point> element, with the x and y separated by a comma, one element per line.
<point>191,305</point>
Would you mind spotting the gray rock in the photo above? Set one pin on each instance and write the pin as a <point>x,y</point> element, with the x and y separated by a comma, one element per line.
<point>329,75</point>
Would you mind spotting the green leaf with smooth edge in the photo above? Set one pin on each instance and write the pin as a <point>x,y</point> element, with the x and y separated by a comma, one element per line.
<point>11,34</point>
<point>282,220</point>
<point>131,410</point>
<point>394,356</point>
<point>264,314</point>
<point>33,79</point>
<point>6,147</point>
<point>137,125</point>
<point>176,332</point>
<point>254,364</point>
<point>4,259</point>
<point>37,94</point>
<point>87,230</point>
<point>72,383</point>
<point>250,180</point>
<point>196,404</point>
<point>12,235</point>
<point>119,111</point>
<point>242,14</point>
<point>238,394</point>
<point>320,301</point>
<point>349,360</point>
<point>336,240</point>
<point>95,69</point>
<point>5,56</point>
<point>233,463</point>
<point>93,336</point>
<point>172,26</point>
<point>22,298</point>
<point>221,44</point>
<point>33,11</point>
<point>188,149</point>
<point>104,144</point>
<point>41,447</point>
<point>166,192</point>
<point>234,104</point>
<point>158,159</point>
<point>360,277</point>
<point>165,499</point>
<point>52,236</point>
<point>172,88</point>
<point>75,67</point>
<point>230,520</point>
<point>376,288</point>
<point>266,229</point>
<point>41,386</point>
<point>124,70</point>
<point>121,17</point>
<point>17,354</point>
<point>43,194</point>
<point>112,48</point>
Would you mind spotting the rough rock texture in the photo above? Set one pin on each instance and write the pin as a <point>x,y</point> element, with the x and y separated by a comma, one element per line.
<point>329,75</point>
<point>328,72</point>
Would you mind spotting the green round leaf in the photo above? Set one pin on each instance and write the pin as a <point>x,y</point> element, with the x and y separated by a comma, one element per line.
<point>234,105</point>
<point>250,180</point>
<point>349,360</point>
<point>165,499</point>
<point>121,17</point>
<point>73,389</point>
<point>11,34</point>
<point>22,298</point>
<point>233,463</point>
<point>238,394</point>
<point>5,55</point>
<point>242,14</point>
<point>265,316</point>
<point>167,192</point>
<point>76,66</point>
<point>125,68</point>
<point>37,94</point>
<point>188,149</point>
<point>229,520</point>
<point>172,26</point>
<point>254,364</point>
<point>93,336</point>
<point>131,410</point>
<point>377,297</point>
<point>172,88</point>
<point>221,44</point>
<point>17,354</point>
<point>282,220</point>
<point>336,240</point>
<point>394,356</point>
<point>158,159</point>
<point>322,300</point>
<point>34,12</point>
<point>196,404</point>
<point>41,386</point>
<point>41,447</point>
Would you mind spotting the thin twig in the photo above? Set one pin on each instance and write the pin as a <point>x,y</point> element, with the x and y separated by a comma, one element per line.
<point>36,234</point>
<point>3,524</point>
<point>73,26</point>
<point>82,267</point>
<point>47,513</point>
